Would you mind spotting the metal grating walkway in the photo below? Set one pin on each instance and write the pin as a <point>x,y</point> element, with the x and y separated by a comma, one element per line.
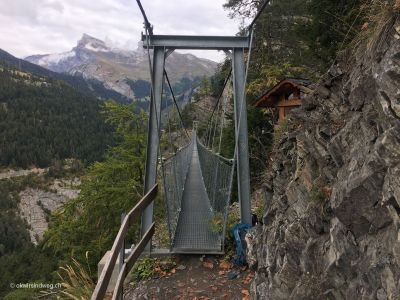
<point>193,233</point>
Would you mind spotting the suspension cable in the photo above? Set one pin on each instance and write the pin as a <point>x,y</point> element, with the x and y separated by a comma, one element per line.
<point>147,24</point>
<point>250,27</point>
<point>219,98</point>
<point>244,93</point>
<point>250,30</point>
<point>176,104</point>
<point>225,101</point>
<point>168,121</point>
<point>216,125</point>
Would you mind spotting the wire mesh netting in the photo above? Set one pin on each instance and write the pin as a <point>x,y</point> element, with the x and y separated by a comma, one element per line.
<point>197,190</point>
<point>175,172</point>
<point>216,171</point>
<point>217,176</point>
<point>193,232</point>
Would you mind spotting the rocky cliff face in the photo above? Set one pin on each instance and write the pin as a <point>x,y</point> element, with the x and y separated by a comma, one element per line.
<point>332,225</point>
<point>35,205</point>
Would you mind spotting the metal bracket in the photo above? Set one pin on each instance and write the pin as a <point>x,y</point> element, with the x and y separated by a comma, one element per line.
<point>228,53</point>
<point>169,52</point>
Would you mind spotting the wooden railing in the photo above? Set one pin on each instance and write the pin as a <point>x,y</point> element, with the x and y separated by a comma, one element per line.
<point>131,217</point>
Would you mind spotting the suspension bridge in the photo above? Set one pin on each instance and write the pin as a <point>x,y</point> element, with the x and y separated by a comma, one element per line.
<point>197,190</point>
<point>197,181</point>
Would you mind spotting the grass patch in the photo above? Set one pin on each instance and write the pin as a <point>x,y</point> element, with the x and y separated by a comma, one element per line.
<point>76,282</point>
<point>317,195</point>
<point>148,267</point>
<point>378,18</point>
<point>216,223</point>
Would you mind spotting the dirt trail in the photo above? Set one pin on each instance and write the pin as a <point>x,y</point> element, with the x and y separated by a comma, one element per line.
<point>195,278</point>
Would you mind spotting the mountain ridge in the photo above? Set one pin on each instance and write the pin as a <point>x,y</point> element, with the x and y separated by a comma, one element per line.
<point>92,58</point>
<point>89,87</point>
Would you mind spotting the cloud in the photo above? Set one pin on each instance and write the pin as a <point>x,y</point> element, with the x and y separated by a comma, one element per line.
<point>48,26</point>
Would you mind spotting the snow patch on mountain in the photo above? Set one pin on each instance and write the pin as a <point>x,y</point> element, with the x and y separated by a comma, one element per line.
<point>95,59</point>
<point>56,58</point>
<point>94,48</point>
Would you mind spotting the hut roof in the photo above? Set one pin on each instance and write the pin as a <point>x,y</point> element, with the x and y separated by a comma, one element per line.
<point>285,87</point>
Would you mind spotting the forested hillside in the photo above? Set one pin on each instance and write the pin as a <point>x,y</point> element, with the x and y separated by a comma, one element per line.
<point>87,86</point>
<point>44,119</point>
<point>83,228</point>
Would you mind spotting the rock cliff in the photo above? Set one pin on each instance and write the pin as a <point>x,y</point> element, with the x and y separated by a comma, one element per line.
<point>332,227</point>
<point>35,205</point>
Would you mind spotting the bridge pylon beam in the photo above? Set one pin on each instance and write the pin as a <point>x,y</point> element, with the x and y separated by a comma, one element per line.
<point>240,106</point>
<point>153,134</point>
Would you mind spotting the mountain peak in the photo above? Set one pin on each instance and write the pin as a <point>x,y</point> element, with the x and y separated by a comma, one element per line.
<point>92,43</point>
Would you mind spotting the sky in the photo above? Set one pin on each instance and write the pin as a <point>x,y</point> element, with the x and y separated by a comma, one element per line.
<point>51,26</point>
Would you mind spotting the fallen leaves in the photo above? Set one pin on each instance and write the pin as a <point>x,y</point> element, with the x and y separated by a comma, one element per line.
<point>248,279</point>
<point>208,265</point>
<point>246,294</point>
<point>160,272</point>
<point>201,280</point>
<point>225,265</point>
<point>213,288</point>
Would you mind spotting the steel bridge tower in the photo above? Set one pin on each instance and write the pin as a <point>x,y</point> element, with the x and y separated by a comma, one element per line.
<point>164,45</point>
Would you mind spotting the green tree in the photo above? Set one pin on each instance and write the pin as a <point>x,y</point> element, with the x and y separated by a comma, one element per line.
<point>204,88</point>
<point>91,221</point>
<point>333,25</point>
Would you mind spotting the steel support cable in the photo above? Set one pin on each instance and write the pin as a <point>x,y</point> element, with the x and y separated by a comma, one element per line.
<point>222,121</point>
<point>216,125</point>
<point>219,97</point>
<point>216,172</point>
<point>176,104</point>
<point>168,115</point>
<point>250,27</point>
<point>244,94</point>
<point>210,131</point>
<point>147,29</point>
<point>209,137</point>
<point>237,133</point>
<point>180,160</point>
<point>171,179</point>
<point>173,173</point>
<point>146,21</point>
<point>218,168</point>
<point>177,190</point>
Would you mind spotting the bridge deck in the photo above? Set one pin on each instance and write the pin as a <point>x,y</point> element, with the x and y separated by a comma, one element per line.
<point>193,234</point>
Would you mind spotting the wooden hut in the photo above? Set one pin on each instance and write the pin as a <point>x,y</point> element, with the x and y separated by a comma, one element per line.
<point>285,96</point>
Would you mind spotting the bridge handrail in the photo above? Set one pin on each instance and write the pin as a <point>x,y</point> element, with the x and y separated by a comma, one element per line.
<point>224,159</point>
<point>104,279</point>
<point>166,160</point>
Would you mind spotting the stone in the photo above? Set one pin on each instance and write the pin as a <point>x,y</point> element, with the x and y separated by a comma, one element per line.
<point>35,206</point>
<point>343,243</point>
<point>251,247</point>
